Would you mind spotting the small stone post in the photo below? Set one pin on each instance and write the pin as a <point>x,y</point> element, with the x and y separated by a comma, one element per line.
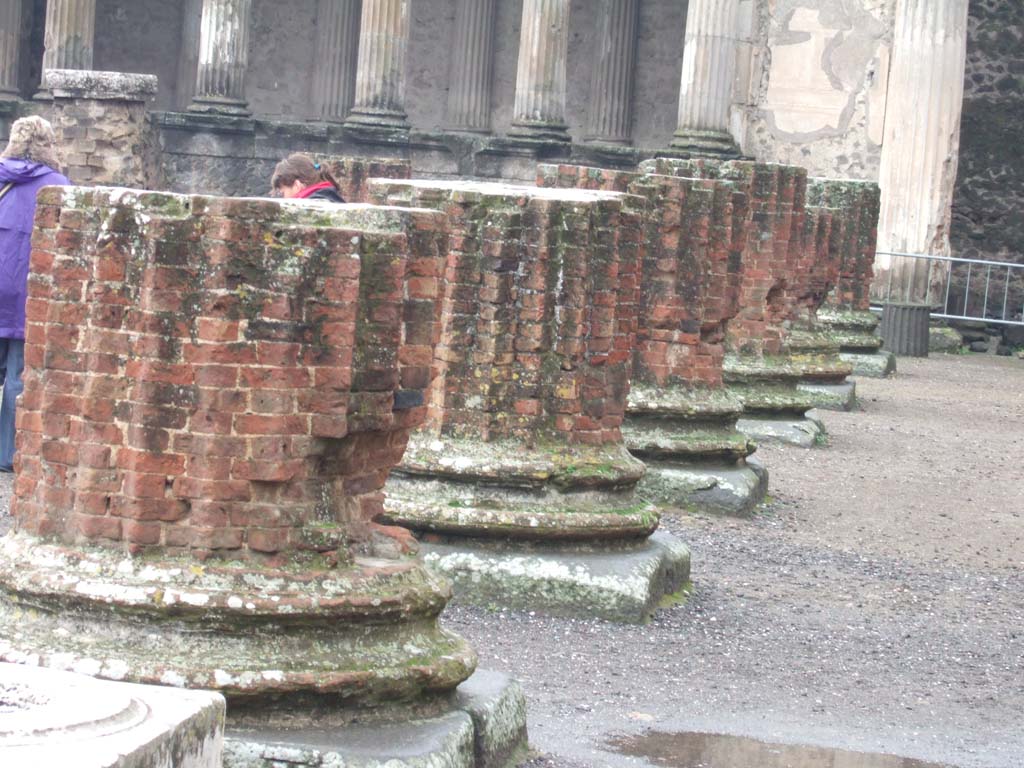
<point>10,48</point>
<point>337,57</point>
<point>708,79</point>
<point>101,123</point>
<point>223,58</point>
<point>380,76</point>
<point>472,63</point>
<point>609,114</point>
<point>541,76</point>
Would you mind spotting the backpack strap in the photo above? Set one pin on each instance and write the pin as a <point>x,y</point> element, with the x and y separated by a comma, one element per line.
<point>6,189</point>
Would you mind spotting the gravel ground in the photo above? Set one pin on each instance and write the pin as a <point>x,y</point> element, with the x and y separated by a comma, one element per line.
<point>876,603</point>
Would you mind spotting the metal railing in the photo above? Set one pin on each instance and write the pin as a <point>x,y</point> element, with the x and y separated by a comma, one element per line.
<point>956,288</point>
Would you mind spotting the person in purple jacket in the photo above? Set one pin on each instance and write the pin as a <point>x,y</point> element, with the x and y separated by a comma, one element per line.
<point>28,164</point>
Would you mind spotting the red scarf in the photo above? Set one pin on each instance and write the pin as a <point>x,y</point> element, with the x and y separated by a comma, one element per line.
<point>308,191</point>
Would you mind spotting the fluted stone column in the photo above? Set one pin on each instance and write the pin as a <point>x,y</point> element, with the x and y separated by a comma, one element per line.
<point>922,139</point>
<point>472,63</point>
<point>709,74</point>
<point>337,57</point>
<point>223,57</point>
<point>70,33</point>
<point>380,77</point>
<point>540,80</point>
<point>609,117</point>
<point>10,39</point>
<point>188,60</point>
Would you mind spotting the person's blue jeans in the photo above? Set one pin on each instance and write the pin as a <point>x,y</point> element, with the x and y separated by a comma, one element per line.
<point>12,365</point>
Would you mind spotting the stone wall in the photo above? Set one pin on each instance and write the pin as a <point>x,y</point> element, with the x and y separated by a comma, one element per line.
<point>988,208</point>
<point>816,88</point>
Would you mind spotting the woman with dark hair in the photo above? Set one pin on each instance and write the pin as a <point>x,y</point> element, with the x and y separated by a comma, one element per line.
<point>27,164</point>
<point>300,177</point>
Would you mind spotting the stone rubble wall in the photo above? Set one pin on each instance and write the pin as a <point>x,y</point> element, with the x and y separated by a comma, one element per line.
<point>988,205</point>
<point>220,375</point>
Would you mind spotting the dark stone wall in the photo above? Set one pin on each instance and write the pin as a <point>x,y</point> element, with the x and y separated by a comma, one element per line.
<point>988,208</point>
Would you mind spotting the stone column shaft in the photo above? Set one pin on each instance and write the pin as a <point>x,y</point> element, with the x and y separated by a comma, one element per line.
<point>541,76</point>
<point>10,39</point>
<point>472,64</point>
<point>922,138</point>
<point>337,57</point>
<point>70,33</point>
<point>709,73</point>
<point>223,57</point>
<point>611,85</point>
<point>380,77</point>
<point>188,60</point>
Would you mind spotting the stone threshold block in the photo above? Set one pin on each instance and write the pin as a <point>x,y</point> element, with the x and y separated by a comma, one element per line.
<point>696,458</point>
<point>483,726</point>
<point>856,332</point>
<point>50,717</point>
<point>622,581</point>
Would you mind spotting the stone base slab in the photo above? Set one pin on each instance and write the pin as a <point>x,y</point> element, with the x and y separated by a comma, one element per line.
<point>623,583</point>
<point>50,717</point>
<point>805,431</point>
<point>734,488</point>
<point>485,728</point>
<point>872,365</point>
<point>835,397</point>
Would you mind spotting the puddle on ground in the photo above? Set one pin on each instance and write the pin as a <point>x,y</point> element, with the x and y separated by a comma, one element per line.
<point>710,750</point>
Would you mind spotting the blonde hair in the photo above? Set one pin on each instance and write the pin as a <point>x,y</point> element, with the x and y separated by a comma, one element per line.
<point>33,139</point>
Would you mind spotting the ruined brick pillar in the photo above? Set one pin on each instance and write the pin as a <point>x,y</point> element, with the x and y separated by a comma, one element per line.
<point>101,123</point>
<point>70,34</point>
<point>708,78</point>
<point>846,313</point>
<point>380,75</point>
<point>472,65</point>
<point>610,111</point>
<point>337,57</point>
<point>541,76</point>
<point>10,48</point>
<point>223,58</point>
<point>681,420</point>
<point>216,391</point>
<point>758,368</point>
<point>522,448</point>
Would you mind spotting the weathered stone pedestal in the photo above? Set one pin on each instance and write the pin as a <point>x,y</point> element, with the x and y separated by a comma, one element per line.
<point>216,390</point>
<point>680,420</point>
<point>856,332</point>
<point>51,718</point>
<point>519,483</point>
